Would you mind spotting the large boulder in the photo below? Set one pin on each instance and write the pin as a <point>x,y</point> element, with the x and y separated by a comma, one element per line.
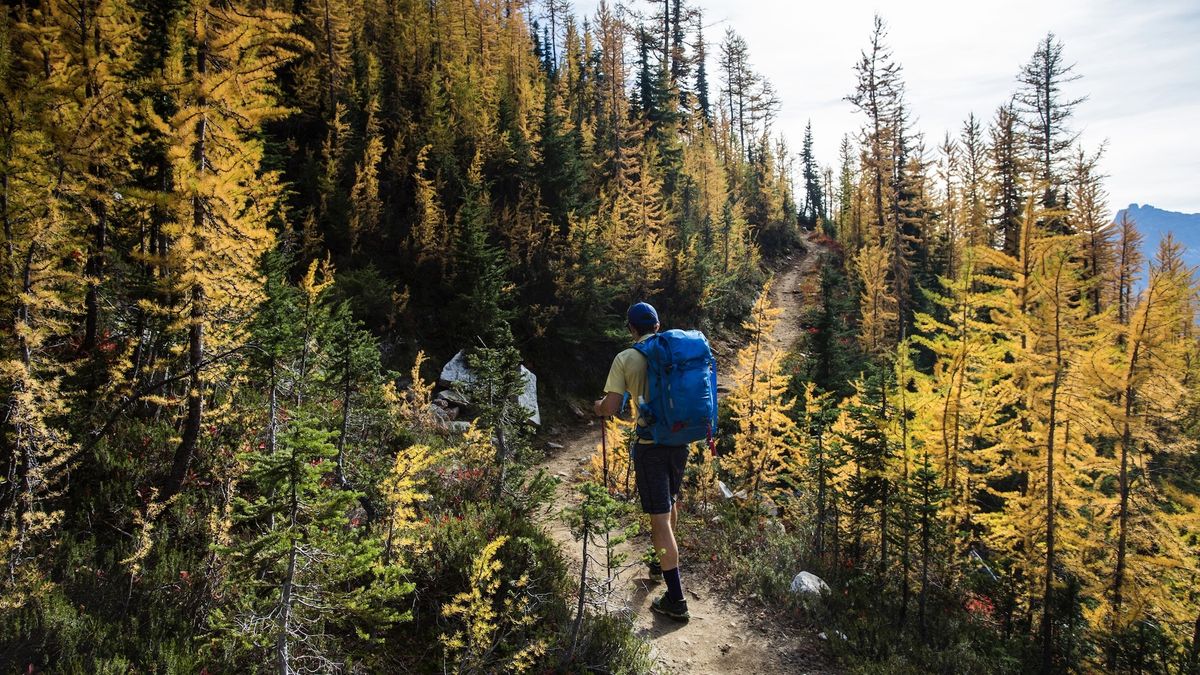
<point>809,584</point>
<point>457,373</point>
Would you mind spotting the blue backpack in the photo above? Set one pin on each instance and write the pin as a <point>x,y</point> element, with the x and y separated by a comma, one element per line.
<point>681,379</point>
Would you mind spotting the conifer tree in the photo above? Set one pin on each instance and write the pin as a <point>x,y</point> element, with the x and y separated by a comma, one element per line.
<point>637,223</point>
<point>1048,324</point>
<point>217,80</point>
<point>1008,184</point>
<point>325,73</point>
<point>849,219</point>
<point>700,56</point>
<point>814,204</point>
<point>975,179</point>
<point>365,202</point>
<point>1044,114</point>
<point>766,433</point>
<point>878,308</point>
<point>950,234</point>
<point>45,212</point>
<point>430,234</point>
<point>354,380</point>
<point>1126,264</point>
<point>865,479</point>
<point>487,615</point>
<point>878,94</point>
<point>498,381</point>
<point>404,492</point>
<point>302,581</point>
<point>1090,217</point>
<point>961,382</point>
<point>479,266</point>
<point>1141,375</point>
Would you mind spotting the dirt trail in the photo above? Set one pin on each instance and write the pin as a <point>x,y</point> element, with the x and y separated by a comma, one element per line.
<point>725,634</point>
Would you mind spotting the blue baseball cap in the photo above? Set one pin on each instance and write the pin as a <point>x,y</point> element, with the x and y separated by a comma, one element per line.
<point>642,316</point>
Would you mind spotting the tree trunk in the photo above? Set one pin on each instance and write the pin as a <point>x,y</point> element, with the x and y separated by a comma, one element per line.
<point>582,592</point>
<point>1047,628</point>
<point>821,516</point>
<point>285,597</point>
<point>501,461</point>
<point>195,400</point>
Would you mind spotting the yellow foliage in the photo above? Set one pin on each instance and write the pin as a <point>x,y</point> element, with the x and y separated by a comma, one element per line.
<point>878,306</point>
<point>364,196</point>
<point>476,449</point>
<point>614,461</point>
<point>145,521</point>
<point>311,285</point>
<point>431,238</point>
<point>484,619</point>
<point>416,404</point>
<point>403,490</point>
<point>766,437</point>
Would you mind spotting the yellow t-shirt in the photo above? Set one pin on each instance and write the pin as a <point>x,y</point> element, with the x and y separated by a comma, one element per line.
<point>628,376</point>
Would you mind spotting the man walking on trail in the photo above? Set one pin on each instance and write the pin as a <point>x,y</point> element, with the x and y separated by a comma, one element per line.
<point>658,468</point>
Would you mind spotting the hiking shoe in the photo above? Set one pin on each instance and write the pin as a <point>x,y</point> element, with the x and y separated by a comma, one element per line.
<point>676,610</point>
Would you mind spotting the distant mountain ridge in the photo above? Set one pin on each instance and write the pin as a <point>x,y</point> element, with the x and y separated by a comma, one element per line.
<point>1154,224</point>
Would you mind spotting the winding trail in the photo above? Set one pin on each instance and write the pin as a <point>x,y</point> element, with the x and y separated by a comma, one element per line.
<point>726,634</point>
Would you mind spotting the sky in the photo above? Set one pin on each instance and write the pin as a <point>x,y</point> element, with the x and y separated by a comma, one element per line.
<point>1139,62</point>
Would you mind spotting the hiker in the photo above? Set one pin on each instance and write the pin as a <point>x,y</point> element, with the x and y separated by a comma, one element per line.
<point>660,451</point>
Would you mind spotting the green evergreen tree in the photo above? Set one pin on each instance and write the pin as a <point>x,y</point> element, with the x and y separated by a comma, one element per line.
<point>479,267</point>
<point>302,587</point>
<point>814,201</point>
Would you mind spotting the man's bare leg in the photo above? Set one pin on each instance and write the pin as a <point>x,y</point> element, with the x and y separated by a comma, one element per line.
<point>662,535</point>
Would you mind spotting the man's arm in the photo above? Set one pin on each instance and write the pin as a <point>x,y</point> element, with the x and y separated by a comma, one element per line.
<point>609,405</point>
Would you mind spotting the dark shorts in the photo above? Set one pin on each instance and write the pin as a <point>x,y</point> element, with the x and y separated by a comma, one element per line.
<point>659,473</point>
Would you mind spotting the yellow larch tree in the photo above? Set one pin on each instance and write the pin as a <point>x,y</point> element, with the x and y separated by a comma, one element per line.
<point>325,73</point>
<point>1141,370</point>
<point>635,221</point>
<point>611,464</point>
<point>219,76</point>
<point>365,204</point>
<point>61,155</point>
<point>766,436</point>
<point>485,615</point>
<point>880,314</point>
<point>960,382</point>
<point>404,490</point>
<point>1127,261</point>
<point>1043,440</point>
<point>430,233</point>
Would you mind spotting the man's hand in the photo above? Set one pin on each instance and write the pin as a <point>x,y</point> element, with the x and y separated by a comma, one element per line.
<point>608,406</point>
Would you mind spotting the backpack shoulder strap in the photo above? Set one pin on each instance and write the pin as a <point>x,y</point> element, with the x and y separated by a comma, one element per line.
<point>646,345</point>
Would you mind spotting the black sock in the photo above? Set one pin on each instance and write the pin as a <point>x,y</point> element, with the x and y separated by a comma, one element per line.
<point>674,585</point>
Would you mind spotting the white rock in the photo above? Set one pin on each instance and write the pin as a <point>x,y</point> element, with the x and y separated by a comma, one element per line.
<point>457,371</point>
<point>808,583</point>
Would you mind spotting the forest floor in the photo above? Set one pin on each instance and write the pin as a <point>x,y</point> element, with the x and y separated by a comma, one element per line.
<point>726,634</point>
